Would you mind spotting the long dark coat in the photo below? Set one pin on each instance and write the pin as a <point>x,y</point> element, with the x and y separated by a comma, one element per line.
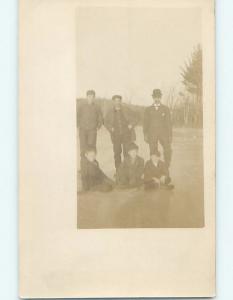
<point>157,122</point>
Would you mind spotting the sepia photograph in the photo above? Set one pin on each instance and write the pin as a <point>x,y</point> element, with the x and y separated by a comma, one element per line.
<point>139,117</point>
<point>116,148</point>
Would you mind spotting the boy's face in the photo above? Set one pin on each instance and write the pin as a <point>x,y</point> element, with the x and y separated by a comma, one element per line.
<point>91,156</point>
<point>154,159</point>
<point>157,100</point>
<point>117,103</point>
<point>90,99</point>
<point>133,153</point>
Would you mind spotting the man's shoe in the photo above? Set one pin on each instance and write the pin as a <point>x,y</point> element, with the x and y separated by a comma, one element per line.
<point>167,186</point>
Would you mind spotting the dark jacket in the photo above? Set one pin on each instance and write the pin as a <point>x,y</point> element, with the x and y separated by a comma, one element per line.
<point>89,116</point>
<point>157,122</point>
<point>130,174</point>
<point>127,117</point>
<point>152,171</point>
<point>91,174</point>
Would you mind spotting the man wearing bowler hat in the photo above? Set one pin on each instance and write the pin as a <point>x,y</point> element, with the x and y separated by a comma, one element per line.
<point>89,119</point>
<point>157,127</point>
<point>120,122</point>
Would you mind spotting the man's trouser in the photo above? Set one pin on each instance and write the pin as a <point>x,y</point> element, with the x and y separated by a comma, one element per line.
<point>87,138</point>
<point>120,143</point>
<point>165,143</point>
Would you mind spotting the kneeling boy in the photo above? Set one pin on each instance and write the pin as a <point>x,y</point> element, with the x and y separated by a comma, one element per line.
<point>130,172</point>
<point>156,174</point>
<point>93,178</point>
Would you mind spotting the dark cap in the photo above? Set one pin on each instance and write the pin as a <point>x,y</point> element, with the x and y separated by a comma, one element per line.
<point>91,92</point>
<point>132,146</point>
<point>116,97</point>
<point>157,93</point>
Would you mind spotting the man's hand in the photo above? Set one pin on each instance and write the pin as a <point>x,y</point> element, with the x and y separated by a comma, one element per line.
<point>130,126</point>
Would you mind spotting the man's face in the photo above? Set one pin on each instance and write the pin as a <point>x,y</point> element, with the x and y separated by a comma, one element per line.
<point>133,153</point>
<point>157,100</point>
<point>91,156</point>
<point>154,159</point>
<point>90,99</point>
<point>117,103</point>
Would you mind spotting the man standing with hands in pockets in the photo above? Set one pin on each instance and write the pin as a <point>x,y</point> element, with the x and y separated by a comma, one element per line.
<point>89,120</point>
<point>120,122</point>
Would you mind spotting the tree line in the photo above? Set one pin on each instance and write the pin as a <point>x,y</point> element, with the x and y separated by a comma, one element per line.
<point>185,103</point>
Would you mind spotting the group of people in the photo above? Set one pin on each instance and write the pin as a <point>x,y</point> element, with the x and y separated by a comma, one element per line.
<point>120,121</point>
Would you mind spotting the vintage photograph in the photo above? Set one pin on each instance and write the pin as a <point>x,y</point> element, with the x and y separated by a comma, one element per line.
<point>116,149</point>
<point>139,112</point>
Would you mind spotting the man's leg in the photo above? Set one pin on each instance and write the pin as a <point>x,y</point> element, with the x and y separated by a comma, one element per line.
<point>153,145</point>
<point>82,141</point>
<point>167,151</point>
<point>117,149</point>
<point>91,138</point>
<point>126,139</point>
<point>125,148</point>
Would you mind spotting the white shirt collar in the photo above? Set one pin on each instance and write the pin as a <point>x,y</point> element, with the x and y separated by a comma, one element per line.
<point>157,105</point>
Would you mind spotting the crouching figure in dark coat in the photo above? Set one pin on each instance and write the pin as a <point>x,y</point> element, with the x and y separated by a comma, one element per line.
<point>120,122</point>
<point>130,172</point>
<point>156,174</point>
<point>93,178</point>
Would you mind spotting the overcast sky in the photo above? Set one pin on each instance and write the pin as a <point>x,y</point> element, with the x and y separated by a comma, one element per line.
<point>130,51</point>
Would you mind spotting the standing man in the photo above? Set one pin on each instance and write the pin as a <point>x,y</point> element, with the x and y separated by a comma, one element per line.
<point>89,120</point>
<point>157,127</point>
<point>120,122</point>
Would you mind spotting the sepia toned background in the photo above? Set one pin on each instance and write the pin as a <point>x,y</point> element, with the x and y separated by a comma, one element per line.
<point>56,259</point>
<point>130,51</point>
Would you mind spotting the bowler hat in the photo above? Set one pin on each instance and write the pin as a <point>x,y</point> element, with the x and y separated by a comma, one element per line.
<point>90,92</point>
<point>116,97</point>
<point>157,93</point>
<point>132,146</point>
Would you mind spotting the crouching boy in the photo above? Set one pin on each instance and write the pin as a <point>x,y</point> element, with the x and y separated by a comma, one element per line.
<point>93,178</point>
<point>130,172</point>
<point>156,174</point>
